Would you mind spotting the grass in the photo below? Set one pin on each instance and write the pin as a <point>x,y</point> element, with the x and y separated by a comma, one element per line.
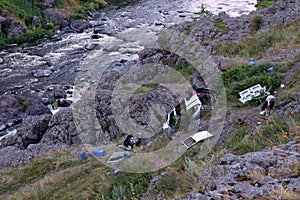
<point>255,24</point>
<point>63,176</point>
<point>222,27</point>
<point>284,37</point>
<point>22,10</point>
<point>264,3</point>
<point>255,176</point>
<point>277,131</point>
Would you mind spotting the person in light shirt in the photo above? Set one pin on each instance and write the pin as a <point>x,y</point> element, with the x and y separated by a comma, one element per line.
<point>268,105</point>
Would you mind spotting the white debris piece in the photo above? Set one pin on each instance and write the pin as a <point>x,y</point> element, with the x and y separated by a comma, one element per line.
<point>254,91</point>
<point>197,137</point>
<point>194,100</point>
<point>116,157</point>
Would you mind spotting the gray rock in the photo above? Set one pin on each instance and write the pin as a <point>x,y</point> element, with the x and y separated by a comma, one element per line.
<point>42,73</point>
<point>47,3</point>
<point>31,132</point>
<point>90,46</point>
<point>79,25</point>
<point>62,129</point>
<point>14,109</point>
<point>13,27</point>
<point>57,16</point>
<point>232,177</point>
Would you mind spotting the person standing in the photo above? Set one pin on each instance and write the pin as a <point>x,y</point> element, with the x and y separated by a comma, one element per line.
<point>268,105</point>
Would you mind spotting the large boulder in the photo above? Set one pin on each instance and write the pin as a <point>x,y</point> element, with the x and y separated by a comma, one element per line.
<point>11,27</point>
<point>13,109</point>
<point>47,3</point>
<point>57,16</point>
<point>31,132</point>
<point>79,25</point>
<point>62,129</point>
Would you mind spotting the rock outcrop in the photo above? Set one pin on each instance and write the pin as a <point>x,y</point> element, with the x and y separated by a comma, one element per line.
<point>30,129</point>
<point>10,26</point>
<point>223,28</point>
<point>57,16</point>
<point>272,172</point>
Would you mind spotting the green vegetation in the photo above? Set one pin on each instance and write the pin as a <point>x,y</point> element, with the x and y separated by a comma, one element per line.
<point>23,11</point>
<point>63,176</point>
<point>255,24</point>
<point>277,38</point>
<point>204,12</point>
<point>24,103</point>
<point>30,36</point>
<point>241,77</point>
<point>221,26</point>
<point>87,5</point>
<point>276,131</point>
<point>264,3</point>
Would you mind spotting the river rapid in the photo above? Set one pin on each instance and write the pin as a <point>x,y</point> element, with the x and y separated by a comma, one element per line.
<point>45,69</point>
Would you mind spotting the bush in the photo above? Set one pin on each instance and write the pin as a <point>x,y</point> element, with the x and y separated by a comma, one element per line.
<point>28,37</point>
<point>255,24</point>
<point>239,78</point>
<point>221,26</point>
<point>264,3</point>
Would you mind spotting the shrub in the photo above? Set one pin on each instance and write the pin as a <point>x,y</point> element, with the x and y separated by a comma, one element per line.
<point>255,24</point>
<point>239,78</point>
<point>221,26</point>
<point>264,3</point>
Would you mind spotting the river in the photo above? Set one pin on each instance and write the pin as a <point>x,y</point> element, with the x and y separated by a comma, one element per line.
<point>70,58</point>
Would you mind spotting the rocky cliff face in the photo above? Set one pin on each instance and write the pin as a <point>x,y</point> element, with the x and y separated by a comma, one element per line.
<point>272,173</point>
<point>223,28</point>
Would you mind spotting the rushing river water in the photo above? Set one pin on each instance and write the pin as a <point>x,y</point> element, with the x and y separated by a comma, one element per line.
<point>36,70</point>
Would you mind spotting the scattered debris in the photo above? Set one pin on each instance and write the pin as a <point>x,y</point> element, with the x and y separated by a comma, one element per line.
<point>127,154</point>
<point>118,156</point>
<point>129,142</point>
<point>98,152</point>
<point>254,91</point>
<point>173,118</point>
<point>117,171</point>
<point>271,69</point>
<point>83,156</point>
<point>268,105</point>
<point>251,63</point>
<point>194,139</point>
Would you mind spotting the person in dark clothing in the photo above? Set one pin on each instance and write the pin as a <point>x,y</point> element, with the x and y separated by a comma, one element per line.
<point>268,105</point>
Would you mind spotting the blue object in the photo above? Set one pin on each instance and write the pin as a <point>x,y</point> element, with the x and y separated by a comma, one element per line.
<point>116,171</point>
<point>251,63</point>
<point>199,122</point>
<point>127,154</point>
<point>83,156</point>
<point>98,152</point>
<point>271,69</point>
